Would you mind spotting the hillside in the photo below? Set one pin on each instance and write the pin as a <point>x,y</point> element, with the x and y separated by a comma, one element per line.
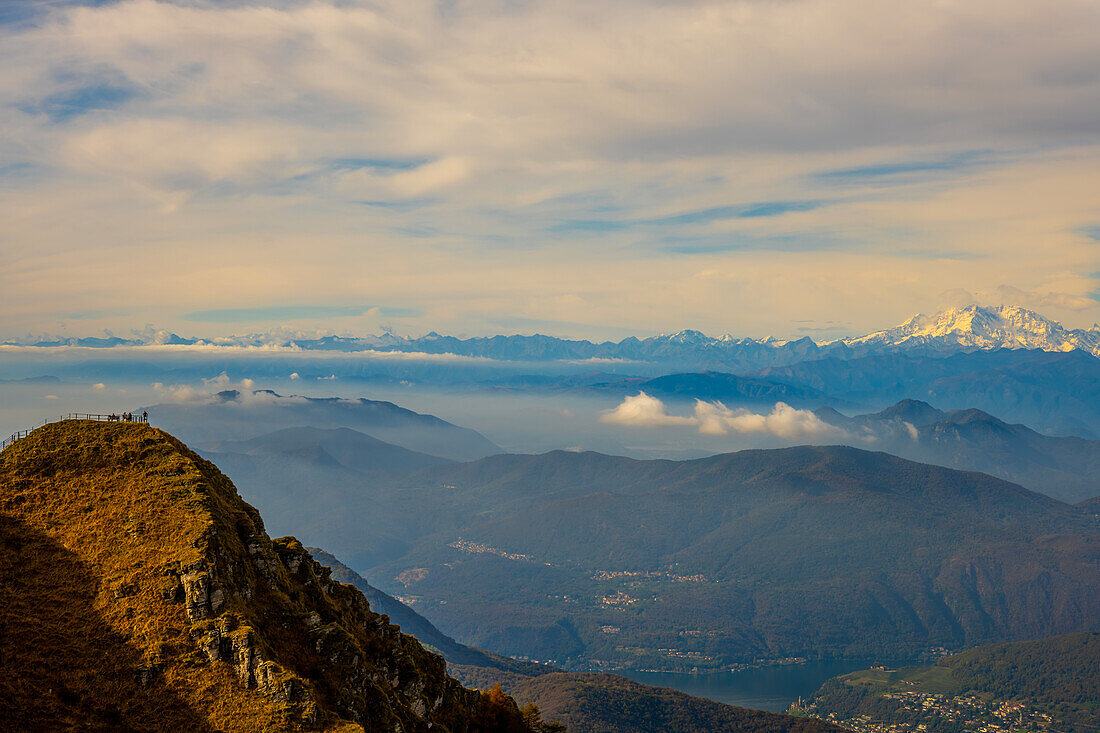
<point>1051,683</point>
<point>141,593</point>
<point>825,551</point>
<point>425,632</point>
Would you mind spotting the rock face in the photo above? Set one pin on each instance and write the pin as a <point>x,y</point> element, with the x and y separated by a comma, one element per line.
<point>122,538</point>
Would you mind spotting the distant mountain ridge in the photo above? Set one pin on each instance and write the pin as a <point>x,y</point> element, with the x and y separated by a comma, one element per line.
<point>231,414</point>
<point>968,328</point>
<point>1067,468</point>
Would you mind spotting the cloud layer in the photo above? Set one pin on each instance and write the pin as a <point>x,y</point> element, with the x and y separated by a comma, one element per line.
<point>564,166</point>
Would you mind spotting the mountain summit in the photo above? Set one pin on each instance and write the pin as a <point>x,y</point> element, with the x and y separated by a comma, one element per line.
<point>985,327</point>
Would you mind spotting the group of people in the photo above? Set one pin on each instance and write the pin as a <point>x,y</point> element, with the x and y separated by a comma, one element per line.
<point>128,417</point>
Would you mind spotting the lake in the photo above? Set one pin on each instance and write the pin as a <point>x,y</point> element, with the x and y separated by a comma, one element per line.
<point>763,688</point>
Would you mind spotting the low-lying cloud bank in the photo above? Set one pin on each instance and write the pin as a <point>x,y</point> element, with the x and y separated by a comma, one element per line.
<point>714,418</point>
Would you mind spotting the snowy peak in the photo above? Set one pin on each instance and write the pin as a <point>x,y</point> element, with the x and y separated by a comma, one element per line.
<point>985,327</point>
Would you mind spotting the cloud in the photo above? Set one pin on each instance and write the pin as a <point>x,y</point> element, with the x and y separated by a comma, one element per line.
<point>99,386</point>
<point>1038,298</point>
<point>783,421</point>
<point>643,411</point>
<point>714,418</point>
<point>211,389</point>
<point>219,382</point>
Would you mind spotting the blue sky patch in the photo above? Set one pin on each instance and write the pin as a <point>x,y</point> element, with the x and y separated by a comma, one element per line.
<point>379,164</point>
<point>700,216</point>
<point>63,106</point>
<point>589,226</point>
<point>902,169</point>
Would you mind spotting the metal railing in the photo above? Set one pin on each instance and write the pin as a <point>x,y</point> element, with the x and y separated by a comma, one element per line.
<point>113,417</point>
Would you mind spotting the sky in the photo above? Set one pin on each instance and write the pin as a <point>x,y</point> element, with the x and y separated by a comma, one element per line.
<point>584,168</point>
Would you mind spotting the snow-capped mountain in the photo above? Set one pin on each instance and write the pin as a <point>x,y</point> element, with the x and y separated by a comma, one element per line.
<point>984,327</point>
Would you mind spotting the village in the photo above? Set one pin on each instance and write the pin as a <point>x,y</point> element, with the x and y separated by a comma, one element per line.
<point>930,712</point>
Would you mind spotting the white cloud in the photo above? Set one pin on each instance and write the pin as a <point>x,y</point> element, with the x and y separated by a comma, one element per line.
<point>911,430</point>
<point>219,382</point>
<point>643,411</point>
<point>783,421</point>
<point>714,418</point>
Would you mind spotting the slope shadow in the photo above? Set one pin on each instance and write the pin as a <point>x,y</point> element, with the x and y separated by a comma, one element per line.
<point>61,665</point>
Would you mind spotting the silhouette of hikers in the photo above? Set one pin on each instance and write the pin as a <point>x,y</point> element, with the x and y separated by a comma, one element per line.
<point>127,417</point>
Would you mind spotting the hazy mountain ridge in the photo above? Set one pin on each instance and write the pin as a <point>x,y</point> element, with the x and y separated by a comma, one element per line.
<point>233,414</point>
<point>1067,468</point>
<point>346,447</point>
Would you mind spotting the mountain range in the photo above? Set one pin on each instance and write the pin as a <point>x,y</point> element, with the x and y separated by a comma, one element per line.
<point>827,551</point>
<point>956,329</point>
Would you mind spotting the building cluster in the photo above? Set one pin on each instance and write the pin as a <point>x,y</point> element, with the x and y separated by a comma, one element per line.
<point>648,574</point>
<point>476,548</point>
<point>922,710</point>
